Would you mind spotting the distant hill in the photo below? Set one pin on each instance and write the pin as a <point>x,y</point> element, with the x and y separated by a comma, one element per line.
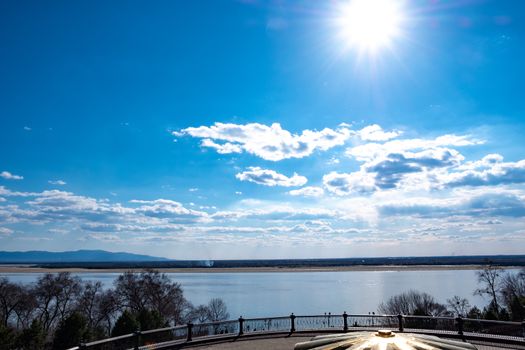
<point>35,256</point>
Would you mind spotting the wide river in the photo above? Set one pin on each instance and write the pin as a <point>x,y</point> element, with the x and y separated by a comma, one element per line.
<point>261,294</point>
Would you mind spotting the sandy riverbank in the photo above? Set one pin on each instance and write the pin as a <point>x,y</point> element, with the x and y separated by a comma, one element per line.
<point>32,269</point>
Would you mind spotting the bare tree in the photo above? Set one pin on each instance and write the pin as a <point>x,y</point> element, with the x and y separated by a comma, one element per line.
<point>163,295</point>
<point>11,295</point>
<point>199,314</point>
<point>459,306</point>
<point>217,310</point>
<point>25,309</point>
<point>70,289</point>
<point>513,285</point>
<point>490,278</point>
<point>107,310</point>
<point>413,303</point>
<point>184,313</point>
<point>55,296</point>
<point>129,291</point>
<point>512,291</point>
<point>98,306</point>
<point>88,301</point>
<point>152,290</point>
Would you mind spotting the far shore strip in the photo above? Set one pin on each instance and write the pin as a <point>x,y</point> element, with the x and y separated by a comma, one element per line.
<point>394,268</point>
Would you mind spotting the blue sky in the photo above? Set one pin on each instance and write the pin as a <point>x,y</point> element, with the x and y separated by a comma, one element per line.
<point>252,129</point>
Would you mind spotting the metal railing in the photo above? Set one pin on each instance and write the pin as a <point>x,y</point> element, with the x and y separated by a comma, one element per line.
<point>472,330</point>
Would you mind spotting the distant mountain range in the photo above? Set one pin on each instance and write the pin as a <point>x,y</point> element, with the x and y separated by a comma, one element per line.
<point>35,256</point>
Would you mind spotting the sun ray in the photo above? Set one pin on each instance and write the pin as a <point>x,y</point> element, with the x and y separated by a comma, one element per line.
<point>368,25</point>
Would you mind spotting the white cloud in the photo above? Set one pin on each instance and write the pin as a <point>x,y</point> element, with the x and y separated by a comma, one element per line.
<point>5,231</point>
<point>279,213</point>
<point>59,231</point>
<point>268,177</point>
<point>462,215</point>
<point>410,164</point>
<point>489,171</point>
<point>168,209</point>
<point>333,161</point>
<point>486,162</point>
<point>224,148</point>
<point>349,183</point>
<point>375,133</point>
<point>64,208</point>
<point>32,238</point>
<point>267,142</point>
<point>133,228</point>
<point>371,151</point>
<point>390,170</point>
<point>461,203</point>
<point>490,222</point>
<point>55,205</point>
<point>9,176</point>
<point>57,182</point>
<point>107,238</point>
<point>309,191</point>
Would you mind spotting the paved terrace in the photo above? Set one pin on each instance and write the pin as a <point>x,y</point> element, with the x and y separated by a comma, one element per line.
<point>287,343</point>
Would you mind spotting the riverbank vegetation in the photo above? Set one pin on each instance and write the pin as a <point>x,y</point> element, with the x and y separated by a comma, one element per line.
<point>60,310</point>
<point>505,293</point>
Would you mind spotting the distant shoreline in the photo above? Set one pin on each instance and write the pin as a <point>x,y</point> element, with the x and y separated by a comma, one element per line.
<point>356,268</point>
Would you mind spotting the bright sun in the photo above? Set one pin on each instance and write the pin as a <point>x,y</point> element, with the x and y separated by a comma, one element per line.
<point>370,24</point>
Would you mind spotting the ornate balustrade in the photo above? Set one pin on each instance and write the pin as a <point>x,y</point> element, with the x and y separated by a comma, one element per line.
<point>472,330</point>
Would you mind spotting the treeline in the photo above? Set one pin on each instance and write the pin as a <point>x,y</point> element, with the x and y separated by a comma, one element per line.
<point>60,310</point>
<point>499,260</point>
<point>506,292</point>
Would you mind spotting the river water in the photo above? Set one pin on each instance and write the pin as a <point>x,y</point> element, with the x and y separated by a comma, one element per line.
<point>261,294</point>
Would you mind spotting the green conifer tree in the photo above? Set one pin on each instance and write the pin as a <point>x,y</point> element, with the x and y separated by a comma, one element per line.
<point>70,332</point>
<point>126,324</point>
<point>7,338</point>
<point>32,338</point>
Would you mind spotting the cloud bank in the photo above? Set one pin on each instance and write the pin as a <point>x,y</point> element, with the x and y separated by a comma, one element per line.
<point>267,142</point>
<point>409,164</point>
<point>271,178</point>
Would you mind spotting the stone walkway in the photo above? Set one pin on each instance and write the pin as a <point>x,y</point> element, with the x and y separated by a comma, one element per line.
<point>274,343</point>
<point>280,343</point>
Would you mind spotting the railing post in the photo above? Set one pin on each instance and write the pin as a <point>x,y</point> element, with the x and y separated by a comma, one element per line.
<point>292,323</point>
<point>190,330</point>
<point>345,321</point>
<point>459,325</point>
<point>136,339</point>
<point>82,346</point>
<point>523,328</point>
<point>241,325</point>
<point>400,323</point>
